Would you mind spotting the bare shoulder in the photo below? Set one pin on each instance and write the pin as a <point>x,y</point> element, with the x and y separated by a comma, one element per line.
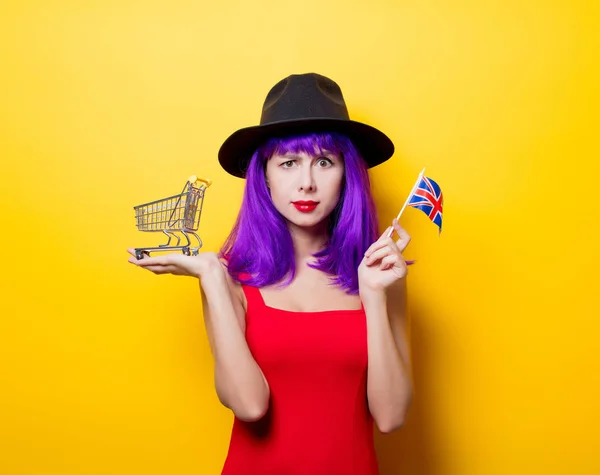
<point>237,293</point>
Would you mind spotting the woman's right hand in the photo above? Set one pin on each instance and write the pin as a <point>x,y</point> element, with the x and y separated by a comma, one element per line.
<point>178,264</point>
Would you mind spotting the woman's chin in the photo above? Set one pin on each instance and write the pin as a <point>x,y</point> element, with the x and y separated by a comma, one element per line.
<point>309,223</point>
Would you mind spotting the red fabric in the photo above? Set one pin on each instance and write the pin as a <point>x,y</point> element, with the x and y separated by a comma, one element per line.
<point>318,421</point>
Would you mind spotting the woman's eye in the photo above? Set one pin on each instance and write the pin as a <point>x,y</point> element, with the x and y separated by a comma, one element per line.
<point>285,164</point>
<point>326,161</point>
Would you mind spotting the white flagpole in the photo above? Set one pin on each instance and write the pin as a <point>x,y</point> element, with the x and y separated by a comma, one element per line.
<point>391,231</point>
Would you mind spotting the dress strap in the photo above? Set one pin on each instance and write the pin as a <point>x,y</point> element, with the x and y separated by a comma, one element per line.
<point>253,296</point>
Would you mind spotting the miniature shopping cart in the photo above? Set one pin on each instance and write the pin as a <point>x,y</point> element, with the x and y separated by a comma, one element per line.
<point>175,216</point>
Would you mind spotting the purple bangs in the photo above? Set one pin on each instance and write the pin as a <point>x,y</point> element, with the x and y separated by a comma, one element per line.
<point>259,249</point>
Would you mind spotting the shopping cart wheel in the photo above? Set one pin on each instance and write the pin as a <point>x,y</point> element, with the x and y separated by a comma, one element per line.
<point>139,254</point>
<point>186,251</point>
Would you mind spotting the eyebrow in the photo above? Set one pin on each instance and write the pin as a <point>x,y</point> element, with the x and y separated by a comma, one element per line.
<point>294,155</point>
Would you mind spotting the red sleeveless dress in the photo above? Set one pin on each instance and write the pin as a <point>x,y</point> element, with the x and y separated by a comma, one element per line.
<point>318,421</point>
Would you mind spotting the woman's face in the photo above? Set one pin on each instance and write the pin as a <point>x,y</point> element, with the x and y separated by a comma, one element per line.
<point>305,189</point>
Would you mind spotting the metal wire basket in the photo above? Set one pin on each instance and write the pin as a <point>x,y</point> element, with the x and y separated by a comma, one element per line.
<point>175,216</point>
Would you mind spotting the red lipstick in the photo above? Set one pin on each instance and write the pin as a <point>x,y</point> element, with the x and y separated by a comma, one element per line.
<point>305,206</point>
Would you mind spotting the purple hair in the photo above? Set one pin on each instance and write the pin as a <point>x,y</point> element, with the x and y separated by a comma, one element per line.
<point>260,244</point>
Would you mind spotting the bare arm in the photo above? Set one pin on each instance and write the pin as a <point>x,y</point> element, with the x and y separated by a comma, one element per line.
<point>389,382</point>
<point>239,381</point>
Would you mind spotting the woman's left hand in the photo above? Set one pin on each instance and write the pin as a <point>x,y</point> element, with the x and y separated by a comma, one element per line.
<point>383,263</point>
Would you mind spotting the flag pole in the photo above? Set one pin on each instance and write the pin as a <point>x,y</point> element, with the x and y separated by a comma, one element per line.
<point>391,231</point>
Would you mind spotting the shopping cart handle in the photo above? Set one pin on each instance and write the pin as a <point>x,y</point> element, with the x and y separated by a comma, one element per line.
<point>194,179</point>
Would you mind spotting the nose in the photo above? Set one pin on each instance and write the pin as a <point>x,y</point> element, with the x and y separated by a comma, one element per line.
<point>307,182</point>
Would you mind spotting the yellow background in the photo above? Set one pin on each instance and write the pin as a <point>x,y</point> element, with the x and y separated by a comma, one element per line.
<point>105,368</point>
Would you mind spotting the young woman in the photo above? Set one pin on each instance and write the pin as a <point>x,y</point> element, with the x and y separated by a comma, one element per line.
<point>305,304</point>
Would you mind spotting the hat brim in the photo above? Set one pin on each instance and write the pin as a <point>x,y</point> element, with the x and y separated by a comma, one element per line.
<point>234,155</point>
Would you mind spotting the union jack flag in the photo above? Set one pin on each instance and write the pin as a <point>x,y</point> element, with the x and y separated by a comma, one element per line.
<point>428,198</point>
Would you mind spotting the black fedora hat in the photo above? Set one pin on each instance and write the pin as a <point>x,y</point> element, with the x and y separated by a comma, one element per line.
<point>303,103</point>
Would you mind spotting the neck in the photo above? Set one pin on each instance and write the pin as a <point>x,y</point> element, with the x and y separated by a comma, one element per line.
<point>308,241</point>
